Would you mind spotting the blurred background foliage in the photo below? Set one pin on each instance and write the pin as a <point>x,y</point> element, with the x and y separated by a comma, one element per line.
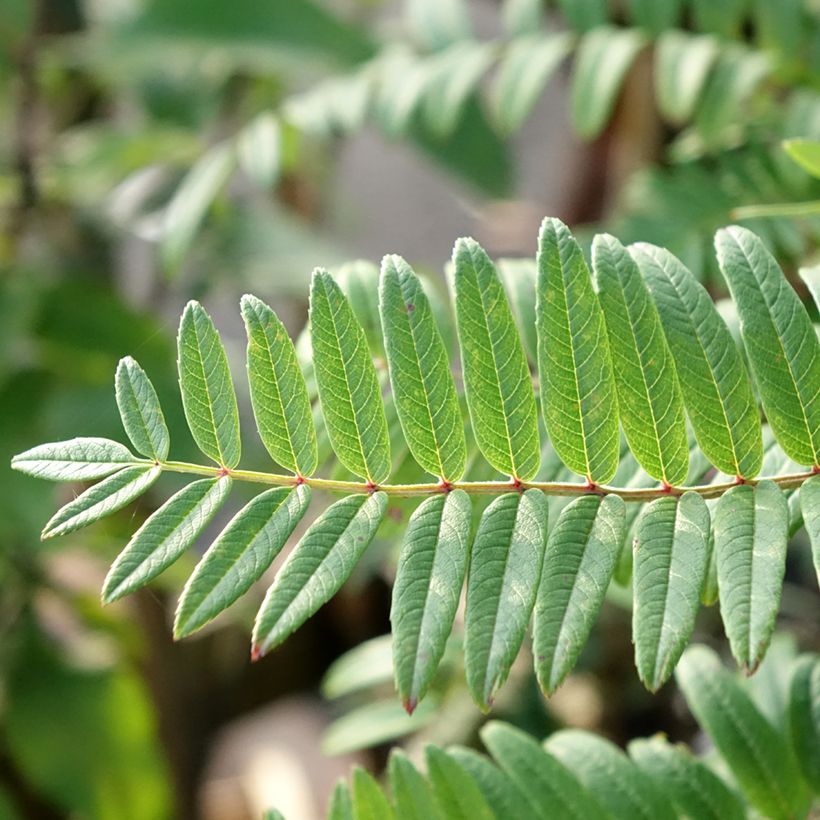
<point>152,151</point>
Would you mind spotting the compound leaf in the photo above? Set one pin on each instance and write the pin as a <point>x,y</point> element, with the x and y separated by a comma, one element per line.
<point>208,397</point>
<point>239,556</point>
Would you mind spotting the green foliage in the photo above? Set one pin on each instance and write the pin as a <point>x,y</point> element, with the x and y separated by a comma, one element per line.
<point>523,561</point>
<point>575,773</point>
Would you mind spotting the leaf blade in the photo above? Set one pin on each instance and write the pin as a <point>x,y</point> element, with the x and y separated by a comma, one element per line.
<point>140,411</point>
<point>349,390</point>
<point>78,459</point>
<point>420,375</point>
<point>278,391</point>
<point>496,377</point>
<point>208,396</point>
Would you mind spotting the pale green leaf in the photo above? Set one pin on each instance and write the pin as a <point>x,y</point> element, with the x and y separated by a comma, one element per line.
<point>456,791</point>
<point>165,536</point>
<point>207,390</point>
<point>191,201</point>
<point>604,57</point>
<point>369,801</point>
<point>804,717</point>
<point>810,506</point>
<point>608,773</point>
<point>427,589</point>
<point>713,378</point>
<point>655,16</point>
<point>321,562</point>
<point>412,797</point>
<point>496,377</point>
<point>519,276</point>
<point>259,149</point>
<point>671,560</point>
<point>780,341</point>
<point>695,789</point>
<point>349,389</point>
<point>437,23</point>
<point>505,568</point>
<point>811,278</point>
<point>278,391</point>
<point>521,17</point>
<point>682,64</point>
<point>550,788</point>
<point>582,551</point>
<point>365,666</point>
<point>525,69</point>
<point>806,153</point>
<point>110,495</point>
<point>502,795</point>
<point>420,375</point>
<point>577,380</point>
<point>140,411</point>
<point>650,402</point>
<point>359,281</point>
<point>79,459</point>
<point>241,553</point>
<point>341,806</point>
<point>760,759</point>
<point>751,532</point>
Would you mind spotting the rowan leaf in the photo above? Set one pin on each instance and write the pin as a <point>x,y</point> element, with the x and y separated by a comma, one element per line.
<point>427,589</point>
<point>412,796</point>
<point>140,411</point>
<point>496,377</point>
<point>278,391</point>
<point>810,507</point>
<point>79,459</point>
<point>804,717</point>
<point>321,562</point>
<point>208,397</point>
<point>575,369</point>
<point>239,556</point>
<point>349,389</point>
<point>423,387</point>
<point>505,568</point>
<point>456,791</point>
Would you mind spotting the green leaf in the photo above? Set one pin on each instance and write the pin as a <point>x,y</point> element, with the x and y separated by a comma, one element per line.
<point>780,341</point>
<point>604,57</point>
<point>207,390</point>
<point>348,385</point>
<point>79,459</point>
<point>496,377</point>
<point>341,806</point>
<point>577,381</point>
<point>140,411</point>
<point>502,795</point>
<point>655,15</point>
<point>649,396</point>
<point>359,281</point>
<point>259,149</point>
<point>806,153</point>
<point>520,17</point>
<point>751,532</point>
<point>810,507</point>
<point>682,64</point>
<point>551,789</point>
<point>110,495</point>
<point>427,590</point>
<point>278,392</point>
<point>437,23</point>
<point>583,15</point>
<point>519,276</point>
<point>525,69</point>
<point>758,756</point>
<point>713,378</point>
<point>505,568</point>
<point>804,717</point>
<point>242,552</point>
<point>456,791</point>
<point>369,801</point>
<point>724,18</point>
<point>321,562</point>
<point>420,375</point>
<point>191,201</point>
<point>696,790</point>
<point>606,771</point>
<point>412,796</point>
<point>671,560</point>
<point>164,536</point>
<point>582,552</point>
